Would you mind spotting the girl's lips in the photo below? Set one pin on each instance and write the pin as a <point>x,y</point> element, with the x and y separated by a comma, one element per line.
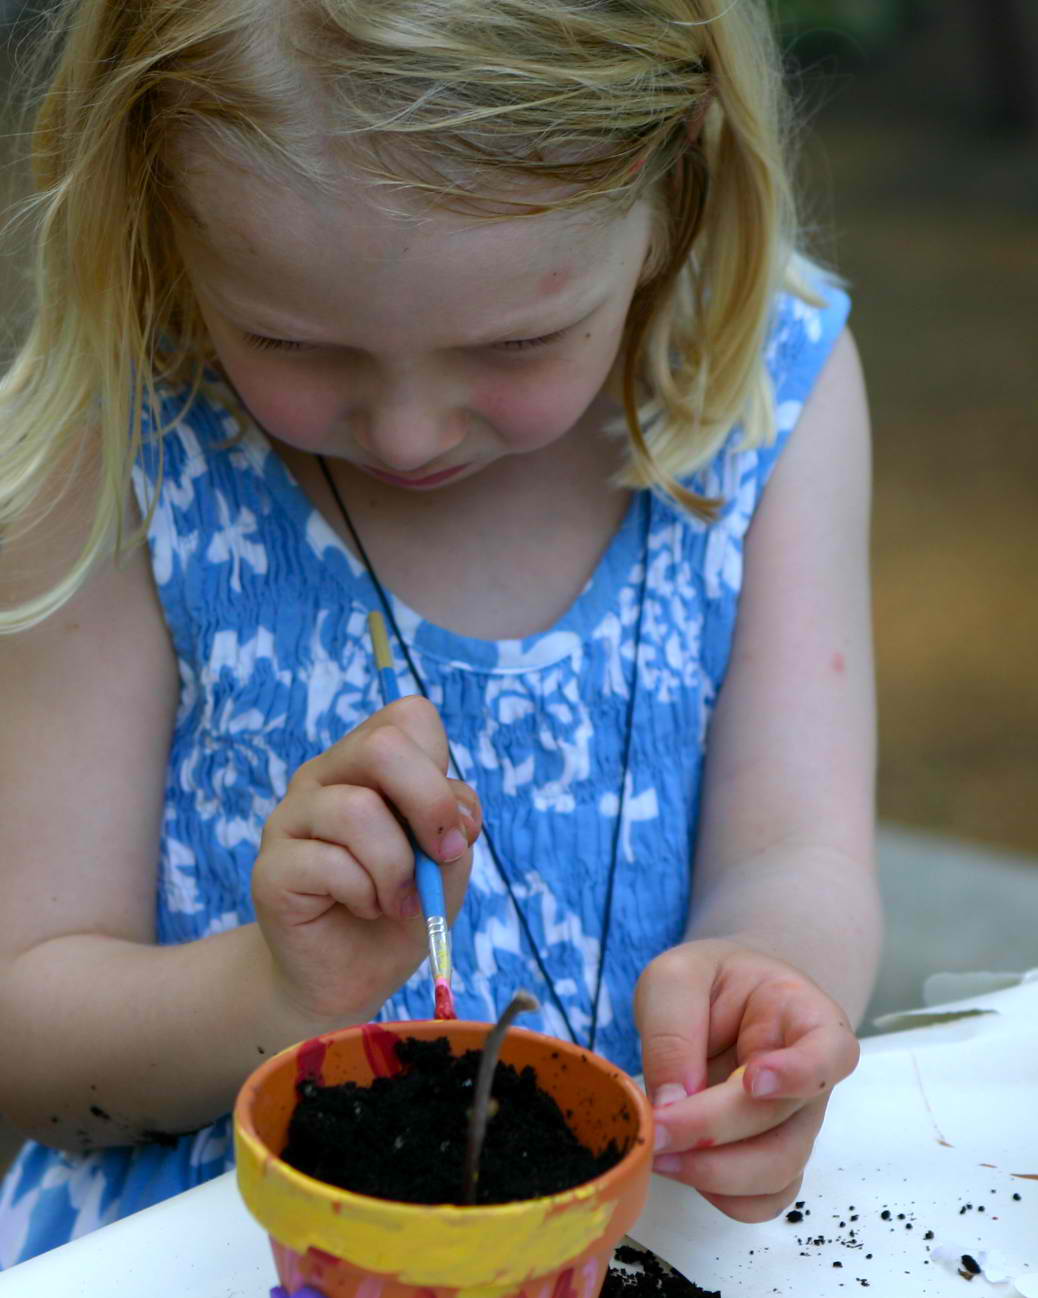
<point>430,480</point>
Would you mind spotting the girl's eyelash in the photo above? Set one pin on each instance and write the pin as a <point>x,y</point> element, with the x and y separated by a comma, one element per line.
<point>521,344</point>
<point>264,344</point>
<point>261,343</point>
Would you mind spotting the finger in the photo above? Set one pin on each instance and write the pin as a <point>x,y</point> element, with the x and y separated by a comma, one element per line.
<point>469,808</point>
<point>813,1064</point>
<point>784,1009</point>
<point>672,1013</point>
<point>357,820</point>
<point>764,1164</point>
<point>720,1115</point>
<point>414,715</point>
<point>389,759</point>
<point>309,879</point>
<point>755,1207</point>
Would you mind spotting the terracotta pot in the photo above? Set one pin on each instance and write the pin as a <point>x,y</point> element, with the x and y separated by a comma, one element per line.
<point>349,1245</point>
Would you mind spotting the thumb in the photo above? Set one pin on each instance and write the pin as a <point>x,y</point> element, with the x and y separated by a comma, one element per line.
<point>469,809</point>
<point>470,822</point>
<point>672,1012</point>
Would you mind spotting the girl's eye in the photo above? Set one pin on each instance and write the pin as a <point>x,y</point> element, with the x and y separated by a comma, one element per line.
<point>522,344</point>
<point>263,344</point>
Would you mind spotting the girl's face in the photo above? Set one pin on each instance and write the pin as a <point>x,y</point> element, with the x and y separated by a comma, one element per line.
<point>419,350</point>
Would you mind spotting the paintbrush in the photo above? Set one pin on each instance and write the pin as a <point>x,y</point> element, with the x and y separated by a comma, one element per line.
<point>427,872</point>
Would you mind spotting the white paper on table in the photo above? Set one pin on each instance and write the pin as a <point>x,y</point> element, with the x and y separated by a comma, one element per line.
<point>200,1244</point>
<point>933,1119</point>
<point>951,996</point>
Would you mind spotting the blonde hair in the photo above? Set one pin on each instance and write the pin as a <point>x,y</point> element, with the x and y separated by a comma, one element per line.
<point>680,101</point>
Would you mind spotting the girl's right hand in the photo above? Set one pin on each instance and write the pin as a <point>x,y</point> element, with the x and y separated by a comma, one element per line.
<point>334,882</point>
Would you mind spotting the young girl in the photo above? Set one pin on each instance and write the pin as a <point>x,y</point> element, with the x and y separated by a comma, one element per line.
<point>492,316</point>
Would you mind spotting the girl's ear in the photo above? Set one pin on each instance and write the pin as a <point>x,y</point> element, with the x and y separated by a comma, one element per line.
<point>694,121</point>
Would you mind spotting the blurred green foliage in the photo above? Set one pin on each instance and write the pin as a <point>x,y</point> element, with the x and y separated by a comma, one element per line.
<point>866,18</point>
<point>813,28</point>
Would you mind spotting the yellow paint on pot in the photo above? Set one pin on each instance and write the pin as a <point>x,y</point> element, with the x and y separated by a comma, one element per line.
<point>430,1246</point>
<point>451,1250</point>
<point>477,1249</point>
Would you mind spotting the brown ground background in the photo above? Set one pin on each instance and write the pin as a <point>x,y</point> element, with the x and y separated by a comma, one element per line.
<point>931,211</point>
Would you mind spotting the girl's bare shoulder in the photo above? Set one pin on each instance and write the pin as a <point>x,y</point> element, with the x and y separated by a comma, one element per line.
<point>39,552</point>
<point>87,721</point>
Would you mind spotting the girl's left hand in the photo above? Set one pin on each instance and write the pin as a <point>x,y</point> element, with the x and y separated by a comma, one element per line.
<point>703,1009</point>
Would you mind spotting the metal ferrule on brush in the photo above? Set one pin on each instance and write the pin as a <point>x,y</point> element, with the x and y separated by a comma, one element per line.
<point>439,946</point>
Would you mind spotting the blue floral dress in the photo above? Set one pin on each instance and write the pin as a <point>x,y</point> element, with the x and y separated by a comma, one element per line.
<point>267,612</point>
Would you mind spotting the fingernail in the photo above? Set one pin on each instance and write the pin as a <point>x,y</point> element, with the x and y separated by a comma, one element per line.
<point>453,845</point>
<point>661,1139</point>
<point>764,1083</point>
<point>409,903</point>
<point>667,1163</point>
<point>466,813</point>
<point>669,1093</point>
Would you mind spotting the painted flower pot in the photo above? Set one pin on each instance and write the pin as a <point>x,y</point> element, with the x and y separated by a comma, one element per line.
<point>346,1245</point>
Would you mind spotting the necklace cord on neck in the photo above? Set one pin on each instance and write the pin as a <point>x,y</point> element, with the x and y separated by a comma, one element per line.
<point>387,608</point>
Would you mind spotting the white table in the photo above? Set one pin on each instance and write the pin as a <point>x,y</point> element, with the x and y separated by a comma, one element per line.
<point>935,1118</point>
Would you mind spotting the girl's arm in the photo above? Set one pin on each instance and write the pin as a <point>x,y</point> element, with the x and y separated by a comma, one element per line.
<point>96,1020</point>
<point>109,1038</point>
<point>785,927</point>
<point>785,853</point>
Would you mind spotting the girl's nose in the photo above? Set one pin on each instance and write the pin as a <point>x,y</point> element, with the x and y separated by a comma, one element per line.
<point>405,436</point>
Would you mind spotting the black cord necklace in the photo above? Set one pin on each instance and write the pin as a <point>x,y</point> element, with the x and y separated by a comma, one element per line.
<point>607,917</point>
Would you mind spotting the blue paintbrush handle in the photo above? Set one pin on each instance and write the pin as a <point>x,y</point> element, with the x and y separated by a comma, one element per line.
<point>427,872</point>
<point>387,682</point>
<point>430,883</point>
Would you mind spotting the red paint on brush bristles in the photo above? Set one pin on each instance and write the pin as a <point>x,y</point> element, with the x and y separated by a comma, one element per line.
<point>444,1000</point>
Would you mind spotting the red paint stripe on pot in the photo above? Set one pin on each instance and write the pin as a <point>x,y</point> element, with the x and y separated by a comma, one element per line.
<point>380,1048</point>
<point>564,1285</point>
<point>319,1255</point>
<point>310,1060</point>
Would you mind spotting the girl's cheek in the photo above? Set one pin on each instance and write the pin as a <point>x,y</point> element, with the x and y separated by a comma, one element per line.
<point>533,413</point>
<point>548,400</point>
<point>296,413</point>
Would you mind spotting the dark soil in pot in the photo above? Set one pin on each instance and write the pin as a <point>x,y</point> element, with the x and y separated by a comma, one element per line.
<point>404,1137</point>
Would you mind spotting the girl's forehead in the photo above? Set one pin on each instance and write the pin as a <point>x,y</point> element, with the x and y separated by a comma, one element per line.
<point>313,255</point>
<point>247,222</point>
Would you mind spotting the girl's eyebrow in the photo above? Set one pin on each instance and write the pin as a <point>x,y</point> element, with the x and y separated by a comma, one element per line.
<point>552,321</point>
<point>529,329</point>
